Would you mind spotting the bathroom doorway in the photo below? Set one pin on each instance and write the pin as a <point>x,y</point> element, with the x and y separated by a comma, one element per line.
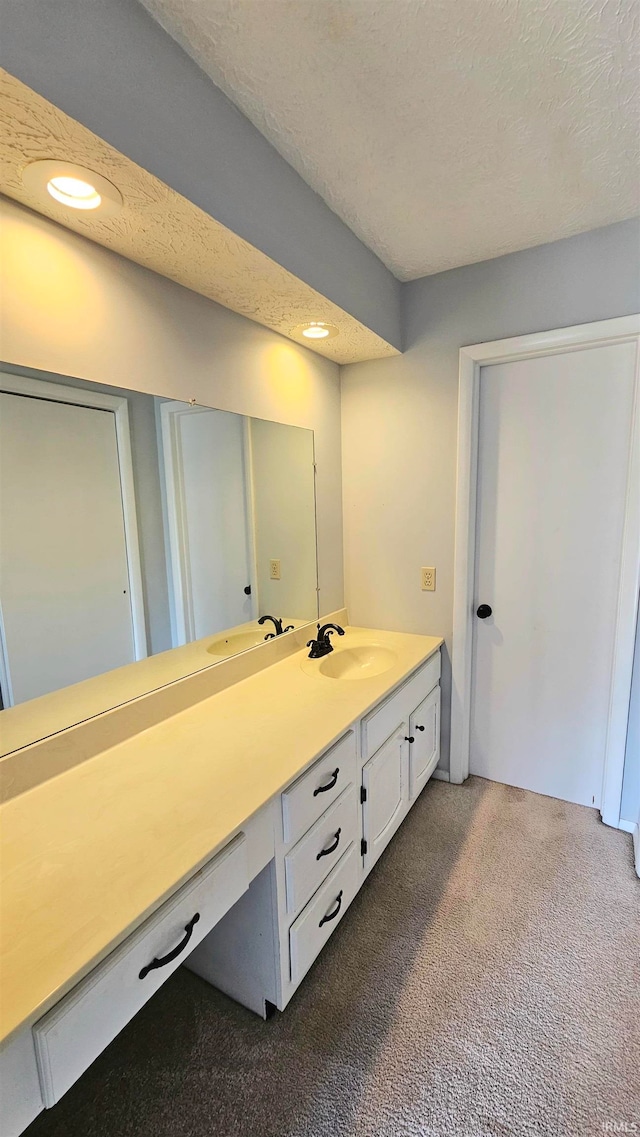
<point>547,562</point>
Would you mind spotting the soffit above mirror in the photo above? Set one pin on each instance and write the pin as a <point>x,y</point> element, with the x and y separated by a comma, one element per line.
<point>163,231</point>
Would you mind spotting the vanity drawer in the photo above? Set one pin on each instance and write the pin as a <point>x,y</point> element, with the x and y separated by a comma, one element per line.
<point>76,1031</point>
<point>308,863</point>
<point>314,791</point>
<point>379,725</point>
<point>310,932</point>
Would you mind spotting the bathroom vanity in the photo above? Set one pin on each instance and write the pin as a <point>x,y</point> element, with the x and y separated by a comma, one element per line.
<point>230,837</point>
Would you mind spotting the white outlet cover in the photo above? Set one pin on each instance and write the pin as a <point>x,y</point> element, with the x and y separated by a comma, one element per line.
<point>428,579</point>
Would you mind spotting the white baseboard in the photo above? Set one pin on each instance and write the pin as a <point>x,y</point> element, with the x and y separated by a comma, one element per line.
<point>441,775</point>
<point>627,826</point>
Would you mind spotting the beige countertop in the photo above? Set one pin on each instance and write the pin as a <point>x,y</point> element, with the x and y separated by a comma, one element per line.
<point>26,723</point>
<point>88,854</point>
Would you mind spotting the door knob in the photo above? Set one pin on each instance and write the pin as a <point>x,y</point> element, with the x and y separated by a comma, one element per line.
<point>483,611</point>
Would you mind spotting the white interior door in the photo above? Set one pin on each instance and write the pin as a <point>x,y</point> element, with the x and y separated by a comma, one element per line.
<point>207,501</point>
<point>554,447</point>
<point>64,583</point>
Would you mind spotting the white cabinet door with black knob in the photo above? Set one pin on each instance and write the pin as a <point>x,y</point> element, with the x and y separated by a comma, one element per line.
<point>424,750</point>
<point>385,794</point>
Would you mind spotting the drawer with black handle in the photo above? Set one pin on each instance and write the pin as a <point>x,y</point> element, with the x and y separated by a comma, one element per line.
<point>320,785</point>
<point>77,1029</point>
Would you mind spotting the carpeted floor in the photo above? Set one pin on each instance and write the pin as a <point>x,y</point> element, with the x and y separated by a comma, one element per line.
<point>486,981</point>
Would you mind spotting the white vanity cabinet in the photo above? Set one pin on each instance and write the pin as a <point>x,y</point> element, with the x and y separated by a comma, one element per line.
<point>40,1063</point>
<point>401,740</point>
<point>78,1028</point>
<point>318,875</point>
<point>310,795</point>
<point>384,795</point>
<point>309,933</point>
<point>308,863</point>
<point>261,910</point>
<point>424,751</point>
<point>335,821</point>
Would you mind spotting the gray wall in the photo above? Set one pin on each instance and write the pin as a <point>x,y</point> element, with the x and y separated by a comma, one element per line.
<point>108,65</point>
<point>399,415</point>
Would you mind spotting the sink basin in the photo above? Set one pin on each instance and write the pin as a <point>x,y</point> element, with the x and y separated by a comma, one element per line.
<point>361,662</point>
<point>238,641</point>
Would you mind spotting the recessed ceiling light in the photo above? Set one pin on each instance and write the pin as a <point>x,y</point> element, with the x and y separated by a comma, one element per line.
<point>72,186</point>
<point>316,330</point>
<point>74,192</point>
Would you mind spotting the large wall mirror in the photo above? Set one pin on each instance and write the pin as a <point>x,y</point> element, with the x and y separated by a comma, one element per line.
<point>133,526</point>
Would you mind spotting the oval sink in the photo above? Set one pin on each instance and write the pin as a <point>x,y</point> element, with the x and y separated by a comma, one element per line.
<point>360,662</point>
<point>239,641</point>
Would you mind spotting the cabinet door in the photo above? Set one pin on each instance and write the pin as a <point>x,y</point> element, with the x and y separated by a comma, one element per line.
<point>386,794</point>
<point>424,751</point>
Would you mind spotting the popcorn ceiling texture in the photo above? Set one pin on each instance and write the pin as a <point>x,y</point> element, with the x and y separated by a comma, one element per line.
<point>160,229</point>
<point>485,982</point>
<point>443,132</point>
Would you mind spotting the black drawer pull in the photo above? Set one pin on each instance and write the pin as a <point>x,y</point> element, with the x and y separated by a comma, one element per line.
<point>332,915</point>
<point>419,728</point>
<point>329,785</point>
<point>176,951</point>
<point>409,738</point>
<point>332,848</point>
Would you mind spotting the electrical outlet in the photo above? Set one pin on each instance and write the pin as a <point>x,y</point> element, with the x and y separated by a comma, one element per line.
<point>274,570</point>
<point>428,579</point>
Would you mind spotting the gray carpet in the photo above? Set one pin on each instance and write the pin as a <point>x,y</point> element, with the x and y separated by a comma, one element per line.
<point>485,981</point>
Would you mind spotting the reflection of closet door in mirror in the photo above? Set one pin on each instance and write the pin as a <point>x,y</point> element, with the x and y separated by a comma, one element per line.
<point>64,581</point>
<point>209,523</point>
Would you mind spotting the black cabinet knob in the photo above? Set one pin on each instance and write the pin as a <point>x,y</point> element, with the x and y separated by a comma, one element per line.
<point>247,590</point>
<point>484,611</point>
<point>409,738</point>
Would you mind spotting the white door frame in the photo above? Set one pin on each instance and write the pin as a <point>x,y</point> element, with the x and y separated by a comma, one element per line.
<point>620,330</point>
<point>79,397</point>
<point>182,611</point>
<point>182,620</point>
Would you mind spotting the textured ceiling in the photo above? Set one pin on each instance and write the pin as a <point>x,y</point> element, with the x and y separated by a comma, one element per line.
<point>442,132</point>
<point>163,231</point>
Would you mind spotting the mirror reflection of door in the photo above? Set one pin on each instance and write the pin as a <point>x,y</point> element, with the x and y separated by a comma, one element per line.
<point>239,496</point>
<point>64,574</point>
<point>208,511</point>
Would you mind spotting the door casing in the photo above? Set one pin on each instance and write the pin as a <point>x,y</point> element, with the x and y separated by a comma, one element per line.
<point>619,330</point>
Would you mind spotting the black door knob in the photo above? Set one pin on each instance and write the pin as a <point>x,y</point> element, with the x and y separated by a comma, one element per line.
<point>483,611</point>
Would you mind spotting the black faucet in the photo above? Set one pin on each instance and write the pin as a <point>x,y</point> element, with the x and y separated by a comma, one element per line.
<point>322,645</point>
<point>279,630</point>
